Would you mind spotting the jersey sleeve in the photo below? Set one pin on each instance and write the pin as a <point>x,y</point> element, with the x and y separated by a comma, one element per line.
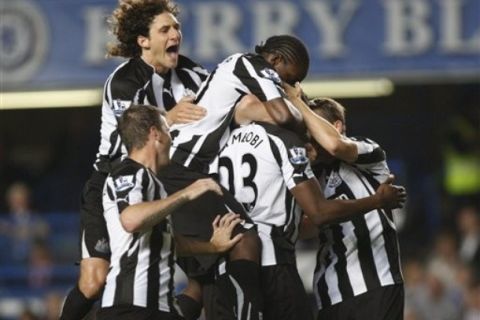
<point>290,152</point>
<point>371,157</point>
<point>128,188</point>
<point>259,77</point>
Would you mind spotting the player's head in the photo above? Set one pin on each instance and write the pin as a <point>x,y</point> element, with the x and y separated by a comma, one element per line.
<point>330,110</point>
<point>141,125</point>
<point>147,28</point>
<point>288,56</point>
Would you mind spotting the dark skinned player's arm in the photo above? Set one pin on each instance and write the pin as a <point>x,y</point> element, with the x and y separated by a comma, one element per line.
<point>274,111</point>
<point>321,211</point>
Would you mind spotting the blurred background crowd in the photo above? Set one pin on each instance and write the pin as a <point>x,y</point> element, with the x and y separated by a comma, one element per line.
<point>428,123</point>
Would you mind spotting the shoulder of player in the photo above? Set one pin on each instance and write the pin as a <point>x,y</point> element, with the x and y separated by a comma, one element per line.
<point>127,167</point>
<point>288,138</point>
<point>187,63</point>
<point>256,59</point>
<point>369,151</point>
<point>128,78</point>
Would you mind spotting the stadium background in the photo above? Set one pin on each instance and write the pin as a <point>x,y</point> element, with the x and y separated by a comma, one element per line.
<point>408,72</point>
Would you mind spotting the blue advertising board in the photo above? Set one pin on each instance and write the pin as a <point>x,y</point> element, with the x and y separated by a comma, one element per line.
<point>61,43</point>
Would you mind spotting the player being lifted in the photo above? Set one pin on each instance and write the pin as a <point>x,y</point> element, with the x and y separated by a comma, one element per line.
<point>195,148</point>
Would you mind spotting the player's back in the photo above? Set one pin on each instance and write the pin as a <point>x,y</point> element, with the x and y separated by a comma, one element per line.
<point>196,144</point>
<point>258,165</point>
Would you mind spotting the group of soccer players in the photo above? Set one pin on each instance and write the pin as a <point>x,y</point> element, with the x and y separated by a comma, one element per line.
<point>213,171</point>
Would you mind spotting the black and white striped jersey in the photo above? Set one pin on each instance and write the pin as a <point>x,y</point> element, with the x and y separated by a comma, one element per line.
<point>258,165</point>
<point>135,81</point>
<point>142,263</point>
<point>196,145</point>
<point>361,254</point>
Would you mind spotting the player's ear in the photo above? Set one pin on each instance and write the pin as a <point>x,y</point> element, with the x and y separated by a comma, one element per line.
<point>339,126</point>
<point>274,58</point>
<point>143,42</point>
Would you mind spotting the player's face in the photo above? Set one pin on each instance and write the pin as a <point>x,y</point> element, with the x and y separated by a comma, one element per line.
<point>287,71</point>
<point>163,42</point>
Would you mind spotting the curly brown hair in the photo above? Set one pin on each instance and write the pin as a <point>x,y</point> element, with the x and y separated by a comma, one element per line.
<point>131,19</point>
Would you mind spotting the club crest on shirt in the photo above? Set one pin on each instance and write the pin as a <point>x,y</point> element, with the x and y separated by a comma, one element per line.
<point>334,180</point>
<point>271,74</point>
<point>119,106</point>
<point>124,183</point>
<point>298,156</point>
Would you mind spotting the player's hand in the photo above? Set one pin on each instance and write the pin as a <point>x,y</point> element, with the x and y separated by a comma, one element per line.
<point>391,196</point>
<point>185,112</point>
<point>222,232</point>
<point>293,92</point>
<point>202,186</point>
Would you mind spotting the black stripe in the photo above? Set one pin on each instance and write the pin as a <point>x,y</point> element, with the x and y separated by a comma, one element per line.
<point>186,80</point>
<point>339,248</point>
<point>205,87</point>
<point>322,287</point>
<point>110,193</point>
<point>183,150</point>
<point>289,204</point>
<point>156,243</point>
<point>171,282</point>
<point>365,251</point>
<point>126,278</point>
<point>145,182</point>
<point>275,151</point>
<point>392,249</point>
<point>167,92</point>
<point>153,284</point>
<point>365,254</point>
<point>107,91</point>
<point>211,145</point>
<point>376,155</point>
<point>240,70</point>
<point>113,150</point>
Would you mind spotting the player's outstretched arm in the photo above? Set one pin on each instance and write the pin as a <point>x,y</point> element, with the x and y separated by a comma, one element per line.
<point>321,211</point>
<point>221,240</point>
<point>321,130</point>
<point>144,215</point>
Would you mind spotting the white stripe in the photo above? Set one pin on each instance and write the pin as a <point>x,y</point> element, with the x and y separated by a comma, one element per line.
<point>377,240</point>
<point>164,278</point>
<point>157,84</point>
<point>141,270</point>
<point>268,249</point>
<point>350,240</point>
<point>240,298</point>
<point>85,253</point>
<point>316,279</point>
<point>119,239</point>
<point>331,279</point>
<point>143,258</point>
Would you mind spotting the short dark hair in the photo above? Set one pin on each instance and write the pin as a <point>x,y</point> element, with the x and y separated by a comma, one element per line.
<point>329,109</point>
<point>132,18</point>
<point>290,48</point>
<point>135,123</point>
